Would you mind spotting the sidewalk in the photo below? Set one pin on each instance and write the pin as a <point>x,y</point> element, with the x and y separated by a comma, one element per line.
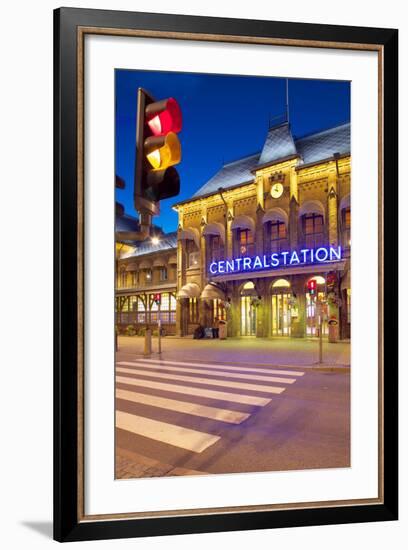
<point>255,351</point>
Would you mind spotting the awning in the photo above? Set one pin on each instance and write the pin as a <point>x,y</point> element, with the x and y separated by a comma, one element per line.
<point>312,207</point>
<point>243,222</point>
<point>190,233</point>
<point>190,290</point>
<point>172,260</point>
<point>132,267</point>
<point>215,228</point>
<point>159,262</point>
<point>275,214</point>
<point>212,292</point>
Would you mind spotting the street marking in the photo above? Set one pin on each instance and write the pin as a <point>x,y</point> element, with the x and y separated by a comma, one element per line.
<point>200,392</point>
<point>185,438</point>
<point>224,367</point>
<point>207,381</point>
<point>213,372</point>
<point>195,409</point>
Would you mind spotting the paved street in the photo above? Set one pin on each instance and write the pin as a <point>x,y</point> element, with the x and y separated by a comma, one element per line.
<point>187,413</point>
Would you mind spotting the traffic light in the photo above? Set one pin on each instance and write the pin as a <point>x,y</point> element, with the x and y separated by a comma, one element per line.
<point>158,150</point>
<point>157,299</point>
<point>311,286</point>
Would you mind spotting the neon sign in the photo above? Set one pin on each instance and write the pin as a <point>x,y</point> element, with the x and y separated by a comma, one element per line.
<point>304,256</point>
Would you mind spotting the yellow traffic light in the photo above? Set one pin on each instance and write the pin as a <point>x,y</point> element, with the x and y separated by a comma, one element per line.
<point>164,151</point>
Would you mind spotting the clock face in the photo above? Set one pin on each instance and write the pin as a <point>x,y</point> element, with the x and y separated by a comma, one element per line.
<point>276,190</point>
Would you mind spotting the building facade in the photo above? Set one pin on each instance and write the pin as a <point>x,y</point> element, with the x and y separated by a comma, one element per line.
<point>144,270</point>
<point>253,237</point>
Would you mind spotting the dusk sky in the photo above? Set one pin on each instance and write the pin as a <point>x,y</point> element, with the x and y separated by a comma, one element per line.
<point>224,118</point>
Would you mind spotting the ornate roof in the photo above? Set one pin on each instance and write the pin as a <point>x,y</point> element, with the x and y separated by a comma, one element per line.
<point>280,144</point>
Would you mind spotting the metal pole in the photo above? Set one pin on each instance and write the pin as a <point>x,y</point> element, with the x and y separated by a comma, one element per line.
<point>320,337</point>
<point>159,329</point>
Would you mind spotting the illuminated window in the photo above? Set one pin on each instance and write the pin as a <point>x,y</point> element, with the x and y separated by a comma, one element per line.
<point>148,275</point>
<point>346,227</point>
<point>281,283</point>
<point>313,228</point>
<point>218,309</point>
<point>278,236</point>
<point>245,240</point>
<point>194,259</point>
<point>193,310</point>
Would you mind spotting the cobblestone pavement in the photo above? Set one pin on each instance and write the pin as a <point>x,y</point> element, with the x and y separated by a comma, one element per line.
<point>130,464</point>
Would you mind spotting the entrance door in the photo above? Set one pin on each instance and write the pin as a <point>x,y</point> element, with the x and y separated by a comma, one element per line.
<point>280,315</point>
<point>312,321</point>
<point>248,317</point>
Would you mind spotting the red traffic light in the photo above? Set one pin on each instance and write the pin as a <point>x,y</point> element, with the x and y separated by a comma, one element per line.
<point>158,150</point>
<point>311,285</point>
<point>157,298</point>
<point>164,116</point>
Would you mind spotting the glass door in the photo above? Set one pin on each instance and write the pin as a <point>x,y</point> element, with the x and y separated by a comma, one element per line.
<point>248,317</point>
<point>311,315</point>
<point>281,318</point>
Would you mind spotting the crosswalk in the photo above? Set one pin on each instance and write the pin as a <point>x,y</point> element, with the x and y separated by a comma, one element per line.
<point>207,392</point>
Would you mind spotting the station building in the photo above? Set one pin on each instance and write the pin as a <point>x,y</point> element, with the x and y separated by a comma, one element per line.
<point>144,270</point>
<point>250,240</point>
<point>248,243</point>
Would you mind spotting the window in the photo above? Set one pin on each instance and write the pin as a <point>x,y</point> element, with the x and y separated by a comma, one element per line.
<point>194,259</point>
<point>163,273</point>
<point>134,278</point>
<point>346,226</point>
<point>313,230</point>
<point>148,275</point>
<point>216,248</point>
<point>193,310</point>
<point>218,309</point>
<point>193,256</point>
<point>246,245</point>
<point>278,236</point>
<point>122,278</point>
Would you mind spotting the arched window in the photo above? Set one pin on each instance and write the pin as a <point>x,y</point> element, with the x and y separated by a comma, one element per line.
<point>313,229</point>
<point>281,283</point>
<point>278,238</point>
<point>215,248</point>
<point>245,242</point>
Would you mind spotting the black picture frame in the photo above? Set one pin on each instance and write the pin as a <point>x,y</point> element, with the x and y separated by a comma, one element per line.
<point>68,526</point>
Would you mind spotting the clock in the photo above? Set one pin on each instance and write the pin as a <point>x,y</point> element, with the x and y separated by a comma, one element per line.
<point>276,190</point>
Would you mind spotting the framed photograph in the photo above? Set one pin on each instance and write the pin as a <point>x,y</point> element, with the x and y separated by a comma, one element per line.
<point>225,330</point>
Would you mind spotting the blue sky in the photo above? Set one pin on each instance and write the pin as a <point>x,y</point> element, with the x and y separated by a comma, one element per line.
<point>224,118</point>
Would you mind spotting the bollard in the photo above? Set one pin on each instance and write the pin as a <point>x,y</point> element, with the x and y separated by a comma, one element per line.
<point>148,342</point>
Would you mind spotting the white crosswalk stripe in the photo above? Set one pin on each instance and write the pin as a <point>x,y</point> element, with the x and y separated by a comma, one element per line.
<point>219,366</point>
<point>218,373</point>
<point>139,374</point>
<point>195,409</point>
<point>206,381</point>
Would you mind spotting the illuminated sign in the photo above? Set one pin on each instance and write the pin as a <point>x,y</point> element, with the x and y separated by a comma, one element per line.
<point>276,260</point>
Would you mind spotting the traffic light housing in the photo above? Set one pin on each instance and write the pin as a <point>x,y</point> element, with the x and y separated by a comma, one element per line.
<point>157,299</point>
<point>311,286</point>
<point>158,150</point>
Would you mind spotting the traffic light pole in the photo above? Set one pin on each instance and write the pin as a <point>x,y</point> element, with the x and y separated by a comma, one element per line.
<point>159,330</point>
